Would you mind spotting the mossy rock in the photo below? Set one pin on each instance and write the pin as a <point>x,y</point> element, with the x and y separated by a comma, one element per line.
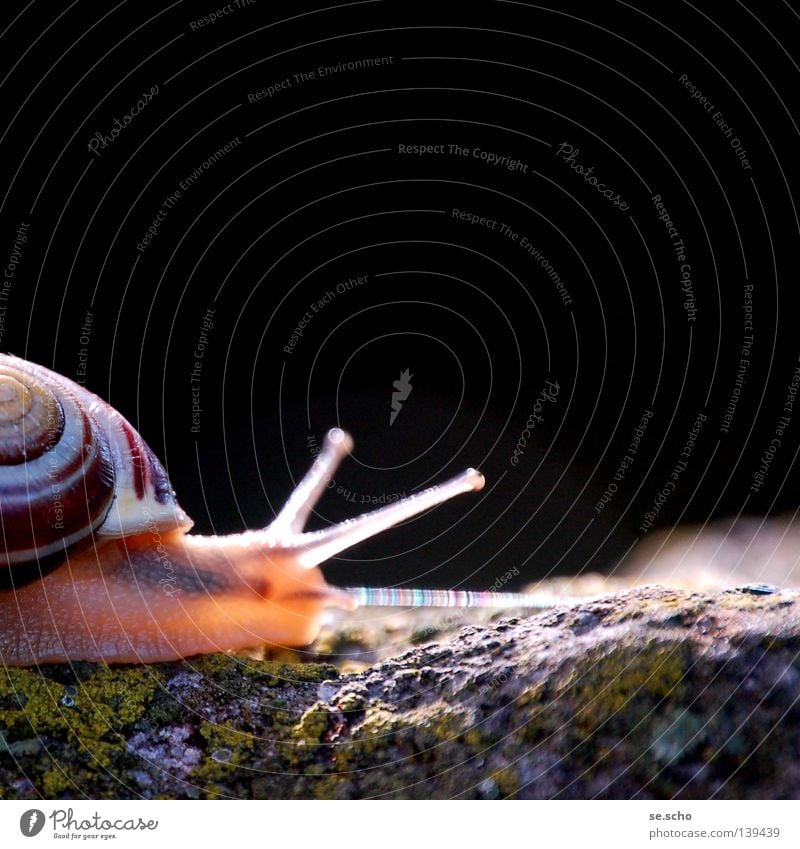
<point>652,693</point>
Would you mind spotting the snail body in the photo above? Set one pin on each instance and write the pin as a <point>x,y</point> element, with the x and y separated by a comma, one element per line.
<point>96,559</point>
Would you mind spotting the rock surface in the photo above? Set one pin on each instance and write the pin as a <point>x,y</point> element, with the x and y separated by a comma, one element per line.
<point>648,693</point>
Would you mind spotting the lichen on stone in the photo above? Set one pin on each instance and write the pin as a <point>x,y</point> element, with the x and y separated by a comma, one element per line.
<point>652,693</point>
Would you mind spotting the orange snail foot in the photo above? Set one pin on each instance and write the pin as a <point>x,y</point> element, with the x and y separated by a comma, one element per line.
<point>125,602</point>
<point>144,598</point>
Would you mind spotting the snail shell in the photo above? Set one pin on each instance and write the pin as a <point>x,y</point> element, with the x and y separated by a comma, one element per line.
<point>71,466</point>
<point>101,563</point>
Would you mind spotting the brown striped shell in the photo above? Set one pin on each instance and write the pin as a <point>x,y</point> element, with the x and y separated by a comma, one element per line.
<point>71,466</point>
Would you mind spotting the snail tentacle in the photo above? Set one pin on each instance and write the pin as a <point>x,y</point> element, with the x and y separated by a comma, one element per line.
<point>313,548</point>
<point>294,515</point>
<point>95,553</point>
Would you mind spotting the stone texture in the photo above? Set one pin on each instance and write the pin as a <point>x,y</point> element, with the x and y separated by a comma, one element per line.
<point>646,693</point>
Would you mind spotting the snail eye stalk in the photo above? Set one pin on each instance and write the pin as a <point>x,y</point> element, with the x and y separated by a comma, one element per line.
<point>312,548</point>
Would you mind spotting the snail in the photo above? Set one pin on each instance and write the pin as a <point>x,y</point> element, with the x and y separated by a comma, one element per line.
<point>97,562</point>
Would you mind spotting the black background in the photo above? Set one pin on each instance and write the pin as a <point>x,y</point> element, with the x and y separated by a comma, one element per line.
<point>317,192</point>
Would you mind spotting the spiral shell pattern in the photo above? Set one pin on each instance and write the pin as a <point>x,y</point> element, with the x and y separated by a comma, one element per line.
<point>56,469</point>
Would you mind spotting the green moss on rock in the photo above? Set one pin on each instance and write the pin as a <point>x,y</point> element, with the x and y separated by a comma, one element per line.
<point>653,694</point>
<point>623,684</point>
<point>92,711</point>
